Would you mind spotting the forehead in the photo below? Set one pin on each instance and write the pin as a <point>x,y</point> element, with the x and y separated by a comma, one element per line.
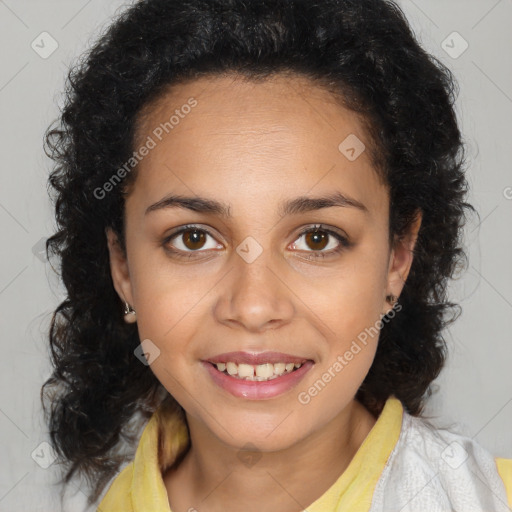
<point>283,133</point>
<point>247,107</point>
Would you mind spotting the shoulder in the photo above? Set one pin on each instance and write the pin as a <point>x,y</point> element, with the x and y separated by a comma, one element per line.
<point>438,470</point>
<point>118,495</point>
<point>505,470</point>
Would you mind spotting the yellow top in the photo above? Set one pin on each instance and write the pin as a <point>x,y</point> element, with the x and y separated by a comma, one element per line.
<point>140,487</point>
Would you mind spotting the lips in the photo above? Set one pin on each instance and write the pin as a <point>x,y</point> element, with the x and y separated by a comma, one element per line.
<point>257,376</point>
<point>252,389</point>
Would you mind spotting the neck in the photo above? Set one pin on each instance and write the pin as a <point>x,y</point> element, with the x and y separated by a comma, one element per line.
<point>215,476</point>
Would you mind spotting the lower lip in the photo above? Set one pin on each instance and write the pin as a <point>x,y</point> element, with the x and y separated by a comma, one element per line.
<point>257,390</point>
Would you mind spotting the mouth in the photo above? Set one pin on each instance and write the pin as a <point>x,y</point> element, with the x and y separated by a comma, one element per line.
<point>257,367</point>
<point>257,376</point>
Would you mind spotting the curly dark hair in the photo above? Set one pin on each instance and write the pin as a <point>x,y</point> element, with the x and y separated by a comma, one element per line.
<point>364,52</point>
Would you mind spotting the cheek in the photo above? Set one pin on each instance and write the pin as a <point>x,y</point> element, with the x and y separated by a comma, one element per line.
<point>170,321</point>
<point>350,299</point>
<point>168,296</point>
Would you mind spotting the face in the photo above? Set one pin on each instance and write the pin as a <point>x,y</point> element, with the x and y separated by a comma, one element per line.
<point>254,270</point>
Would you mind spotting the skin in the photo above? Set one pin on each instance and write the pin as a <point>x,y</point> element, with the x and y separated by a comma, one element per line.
<point>252,146</point>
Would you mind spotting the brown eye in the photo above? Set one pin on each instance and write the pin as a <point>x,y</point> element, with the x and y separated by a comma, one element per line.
<point>317,240</point>
<point>193,239</point>
<point>189,240</point>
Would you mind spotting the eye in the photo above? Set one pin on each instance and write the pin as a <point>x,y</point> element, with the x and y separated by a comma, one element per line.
<point>319,238</point>
<point>190,239</point>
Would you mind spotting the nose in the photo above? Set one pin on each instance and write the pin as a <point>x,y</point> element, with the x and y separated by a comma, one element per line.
<point>254,296</point>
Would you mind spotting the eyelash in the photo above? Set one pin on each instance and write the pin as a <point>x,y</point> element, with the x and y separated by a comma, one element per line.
<point>344,243</point>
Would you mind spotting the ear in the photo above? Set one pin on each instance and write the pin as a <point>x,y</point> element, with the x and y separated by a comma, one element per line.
<point>119,268</point>
<point>401,257</point>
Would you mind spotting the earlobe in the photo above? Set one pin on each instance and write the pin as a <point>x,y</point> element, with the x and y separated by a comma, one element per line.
<point>119,268</point>
<point>402,257</point>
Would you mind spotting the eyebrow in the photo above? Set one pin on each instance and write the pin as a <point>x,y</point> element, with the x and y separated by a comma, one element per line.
<point>295,206</point>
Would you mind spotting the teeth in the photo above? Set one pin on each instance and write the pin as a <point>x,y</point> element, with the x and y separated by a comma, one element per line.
<point>245,370</point>
<point>260,372</point>
<point>232,368</point>
<point>279,368</point>
<point>265,370</point>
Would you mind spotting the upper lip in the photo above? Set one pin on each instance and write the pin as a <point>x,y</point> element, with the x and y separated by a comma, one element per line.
<point>256,358</point>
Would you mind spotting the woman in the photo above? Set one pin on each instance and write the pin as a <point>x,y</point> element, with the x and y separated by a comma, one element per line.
<point>260,206</point>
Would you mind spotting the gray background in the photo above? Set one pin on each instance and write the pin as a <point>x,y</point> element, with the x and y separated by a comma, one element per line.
<point>475,393</point>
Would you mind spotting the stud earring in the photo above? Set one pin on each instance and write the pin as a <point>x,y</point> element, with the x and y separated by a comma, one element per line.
<point>129,314</point>
<point>392,299</point>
